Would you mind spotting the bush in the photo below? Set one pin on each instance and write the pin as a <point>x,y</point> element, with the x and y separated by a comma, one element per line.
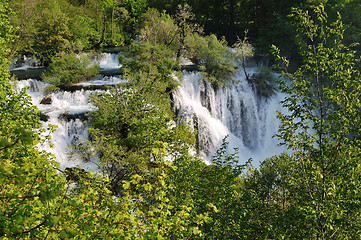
<point>68,69</point>
<point>263,82</point>
<point>154,60</point>
<point>213,57</point>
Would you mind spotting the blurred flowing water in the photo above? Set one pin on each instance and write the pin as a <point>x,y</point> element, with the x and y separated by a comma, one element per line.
<point>234,110</point>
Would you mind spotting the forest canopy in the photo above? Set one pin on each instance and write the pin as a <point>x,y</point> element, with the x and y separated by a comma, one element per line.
<point>46,27</point>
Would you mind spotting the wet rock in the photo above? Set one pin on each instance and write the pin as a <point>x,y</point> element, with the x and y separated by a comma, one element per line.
<point>190,68</point>
<point>205,96</point>
<point>44,117</point>
<point>73,116</point>
<point>46,100</point>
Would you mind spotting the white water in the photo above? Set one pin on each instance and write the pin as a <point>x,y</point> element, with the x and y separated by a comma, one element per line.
<point>105,61</point>
<point>65,103</point>
<point>249,120</point>
<point>24,63</point>
<point>236,111</point>
<point>108,61</point>
<point>68,132</point>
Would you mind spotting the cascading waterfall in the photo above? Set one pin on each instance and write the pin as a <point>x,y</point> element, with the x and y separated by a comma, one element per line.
<point>235,110</point>
<point>69,131</point>
<point>66,110</point>
<point>109,61</point>
<point>24,63</point>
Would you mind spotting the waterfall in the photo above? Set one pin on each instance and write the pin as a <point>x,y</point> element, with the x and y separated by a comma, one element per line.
<point>67,110</point>
<point>62,104</point>
<point>108,61</point>
<point>234,110</point>
<point>24,63</point>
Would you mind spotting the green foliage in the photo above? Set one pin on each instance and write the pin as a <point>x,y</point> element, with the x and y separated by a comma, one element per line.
<point>162,42</point>
<point>322,129</point>
<point>46,28</point>
<point>116,21</point>
<point>198,184</point>
<point>156,61</point>
<point>68,69</point>
<point>269,212</point>
<point>125,114</point>
<point>156,52</point>
<point>84,33</point>
<point>6,37</point>
<point>243,49</point>
<point>158,28</point>
<point>23,22</point>
<point>351,20</point>
<point>263,82</point>
<point>163,219</point>
<point>109,23</point>
<point>53,31</point>
<point>186,25</point>
<point>144,210</point>
<point>213,56</point>
<point>130,120</point>
<point>136,8</point>
<point>29,182</point>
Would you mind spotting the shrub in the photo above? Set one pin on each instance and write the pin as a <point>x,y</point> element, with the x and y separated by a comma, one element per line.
<point>263,82</point>
<point>213,57</point>
<point>68,69</point>
<point>154,60</point>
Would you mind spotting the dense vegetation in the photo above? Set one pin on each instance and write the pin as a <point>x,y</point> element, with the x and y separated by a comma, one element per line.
<point>47,27</point>
<point>68,69</point>
<point>151,186</point>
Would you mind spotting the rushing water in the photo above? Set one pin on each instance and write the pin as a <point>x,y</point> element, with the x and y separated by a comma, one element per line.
<point>66,110</point>
<point>235,110</point>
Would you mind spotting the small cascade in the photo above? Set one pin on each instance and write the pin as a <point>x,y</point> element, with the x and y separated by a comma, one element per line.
<point>61,103</point>
<point>108,61</point>
<point>24,63</point>
<point>67,110</point>
<point>234,110</point>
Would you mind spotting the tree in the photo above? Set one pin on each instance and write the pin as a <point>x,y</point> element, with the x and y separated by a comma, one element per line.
<point>213,57</point>
<point>29,182</point>
<point>184,17</point>
<point>352,21</point>
<point>53,29</point>
<point>197,184</point>
<point>322,129</point>
<point>23,19</point>
<point>158,28</point>
<point>156,52</point>
<point>264,197</point>
<point>130,121</point>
